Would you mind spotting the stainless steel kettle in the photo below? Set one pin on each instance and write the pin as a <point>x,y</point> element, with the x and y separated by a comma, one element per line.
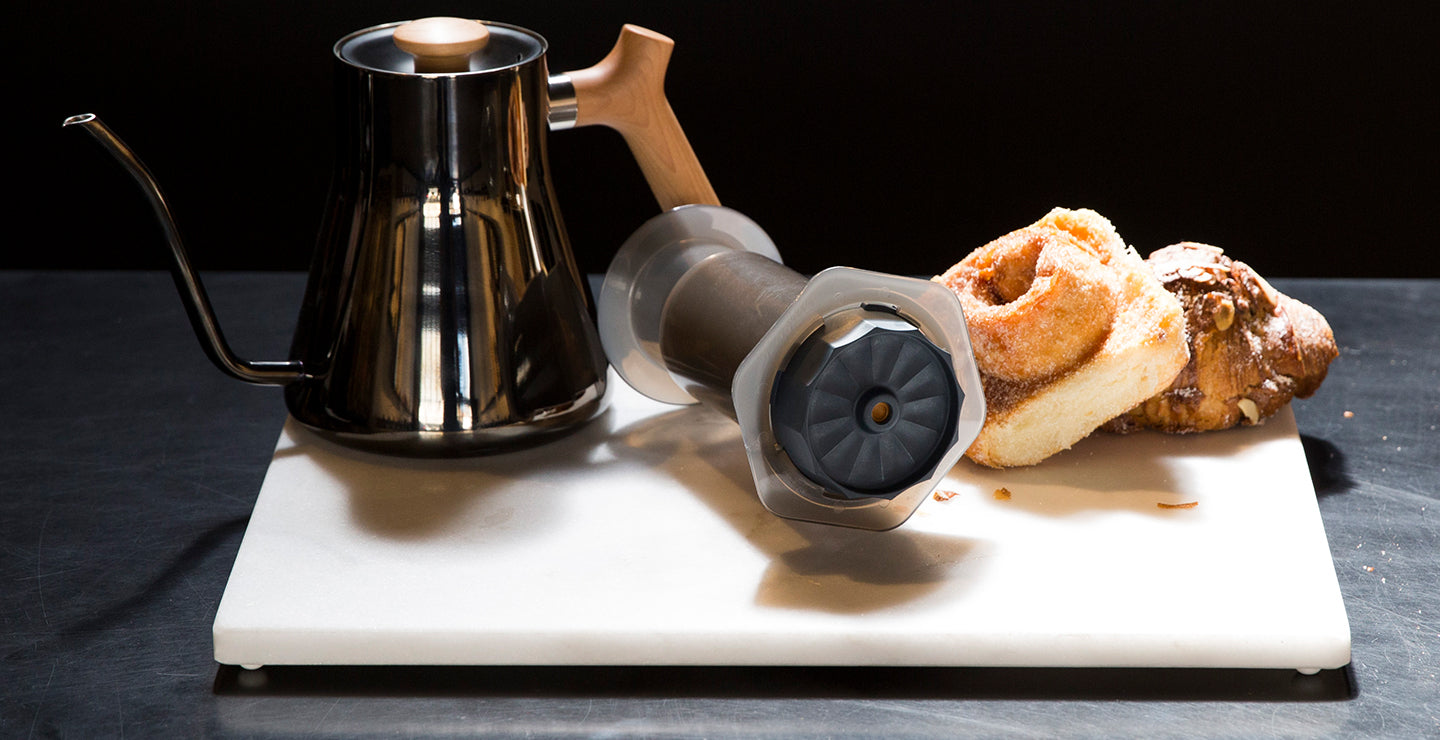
<point>444,313</point>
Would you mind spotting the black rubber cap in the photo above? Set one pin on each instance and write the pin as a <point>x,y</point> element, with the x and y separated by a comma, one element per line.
<point>868,410</point>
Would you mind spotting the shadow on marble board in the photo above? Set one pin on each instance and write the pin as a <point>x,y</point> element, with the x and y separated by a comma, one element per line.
<point>811,567</point>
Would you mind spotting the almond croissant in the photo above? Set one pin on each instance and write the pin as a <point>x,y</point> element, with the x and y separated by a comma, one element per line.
<point>1252,348</point>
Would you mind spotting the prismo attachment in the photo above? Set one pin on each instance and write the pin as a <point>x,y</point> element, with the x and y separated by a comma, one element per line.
<point>855,391</point>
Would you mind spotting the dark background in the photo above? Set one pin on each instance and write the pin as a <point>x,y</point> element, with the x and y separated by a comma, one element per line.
<point>896,136</point>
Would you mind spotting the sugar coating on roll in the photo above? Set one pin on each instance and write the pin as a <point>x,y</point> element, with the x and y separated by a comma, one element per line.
<point>1070,329</point>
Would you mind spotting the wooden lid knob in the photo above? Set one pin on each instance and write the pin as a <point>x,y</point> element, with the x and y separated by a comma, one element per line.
<point>442,44</point>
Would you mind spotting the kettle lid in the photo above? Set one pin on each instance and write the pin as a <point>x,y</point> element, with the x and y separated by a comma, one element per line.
<point>440,46</point>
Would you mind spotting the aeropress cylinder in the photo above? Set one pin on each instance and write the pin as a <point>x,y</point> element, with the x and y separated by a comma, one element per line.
<point>855,391</point>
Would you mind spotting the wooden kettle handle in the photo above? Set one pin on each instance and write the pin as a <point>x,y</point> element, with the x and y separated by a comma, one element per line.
<point>626,91</point>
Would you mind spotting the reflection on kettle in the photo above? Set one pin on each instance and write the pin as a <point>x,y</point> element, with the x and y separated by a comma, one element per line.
<point>444,313</point>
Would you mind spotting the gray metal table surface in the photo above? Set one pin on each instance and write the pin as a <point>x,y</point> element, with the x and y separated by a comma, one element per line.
<point>129,466</point>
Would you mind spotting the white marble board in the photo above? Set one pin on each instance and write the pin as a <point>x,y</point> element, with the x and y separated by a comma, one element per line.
<point>639,541</point>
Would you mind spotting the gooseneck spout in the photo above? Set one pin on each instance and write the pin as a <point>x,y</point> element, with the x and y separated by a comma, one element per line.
<point>187,281</point>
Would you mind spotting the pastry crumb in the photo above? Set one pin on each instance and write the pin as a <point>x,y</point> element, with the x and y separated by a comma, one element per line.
<point>1186,505</point>
<point>1002,494</point>
<point>945,495</point>
<point>1349,414</point>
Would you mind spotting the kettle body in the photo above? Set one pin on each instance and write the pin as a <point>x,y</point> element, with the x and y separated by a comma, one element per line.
<point>444,311</point>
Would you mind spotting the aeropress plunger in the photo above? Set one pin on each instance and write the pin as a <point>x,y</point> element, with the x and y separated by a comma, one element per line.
<point>855,391</point>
